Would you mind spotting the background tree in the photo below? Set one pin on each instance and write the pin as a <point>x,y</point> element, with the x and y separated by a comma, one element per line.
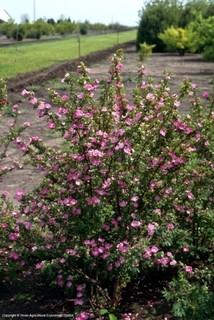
<point>193,8</point>
<point>157,16</point>
<point>203,37</point>
<point>51,21</point>
<point>25,18</point>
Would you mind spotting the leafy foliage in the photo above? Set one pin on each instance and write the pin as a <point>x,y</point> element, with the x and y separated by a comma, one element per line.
<point>190,301</point>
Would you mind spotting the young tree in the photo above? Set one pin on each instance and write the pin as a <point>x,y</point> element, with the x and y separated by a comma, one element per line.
<point>176,39</point>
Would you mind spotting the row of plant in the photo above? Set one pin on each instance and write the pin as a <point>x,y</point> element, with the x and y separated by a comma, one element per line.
<point>173,26</point>
<point>129,192</point>
<point>42,27</point>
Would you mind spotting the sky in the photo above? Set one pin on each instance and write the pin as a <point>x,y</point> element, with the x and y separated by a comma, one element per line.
<point>106,11</point>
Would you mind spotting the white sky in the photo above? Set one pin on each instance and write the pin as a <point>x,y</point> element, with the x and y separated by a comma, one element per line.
<point>106,11</point>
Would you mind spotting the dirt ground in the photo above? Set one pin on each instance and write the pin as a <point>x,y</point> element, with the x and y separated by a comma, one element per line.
<point>190,66</point>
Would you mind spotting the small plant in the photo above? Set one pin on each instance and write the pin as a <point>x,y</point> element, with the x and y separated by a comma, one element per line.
<point>145,50</point>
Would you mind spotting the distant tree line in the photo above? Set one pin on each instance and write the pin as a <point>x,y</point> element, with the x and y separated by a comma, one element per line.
<point>173,25</point>
<point>50,27</point>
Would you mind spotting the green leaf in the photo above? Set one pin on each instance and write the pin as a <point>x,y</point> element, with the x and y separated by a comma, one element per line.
<point>103,312</point>
<point>112,317</point>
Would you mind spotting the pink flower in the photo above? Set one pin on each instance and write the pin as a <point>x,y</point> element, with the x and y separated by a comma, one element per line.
<point>170,226</point>
<point>188,269</point>
<point>134,199</point>
<point>27,124</point>
<point>73,175</point>
<point>136,224</point>
<point>69,202</point>
<point>119,66</point>
<point>25,92</point>
<point>78,302</point>
<point>34,139</point>
<point>61,111</point>
<point>13,236</point>
<point>190,195</point>
<point>4,225</point>
<point>163,261</point>
<point>182,126</point>
<point>89,87</point>
<point>51,125</point>
<point>123,203</point>
<point>15,107</point>
<point>163,132</point>
<point>65,97</point>
<point>80,95</point>
<point>147,253</point>
<point>128,316</point>
<point>33,100</point>
<point>93,200</point>
<point>150,97</point>
<point>205,94</point>
<point>27,225</point>
<point>151,229</point>
<point>5,194</point>
<point>154,249</point>
<point>83,316</point>
<point>123,247</point>
<point>79,114</point>
<point>19,195</point>
<point>69,284</point>
<point>14,256</point>
<point>39,265</point>
<point>71,252</point>
<point>80,287</point>
<point>173,262</point>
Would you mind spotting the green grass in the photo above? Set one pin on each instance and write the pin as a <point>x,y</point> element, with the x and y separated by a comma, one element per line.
<point>23,58</point>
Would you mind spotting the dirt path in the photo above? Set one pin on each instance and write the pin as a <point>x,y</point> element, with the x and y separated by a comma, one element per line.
<point>190,66</point>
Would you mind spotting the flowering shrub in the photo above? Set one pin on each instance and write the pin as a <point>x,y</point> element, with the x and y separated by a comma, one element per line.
<point>129,190</point>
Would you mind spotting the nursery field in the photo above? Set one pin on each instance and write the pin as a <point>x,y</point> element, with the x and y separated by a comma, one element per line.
<point>142,299</point>
<point>29,57</point>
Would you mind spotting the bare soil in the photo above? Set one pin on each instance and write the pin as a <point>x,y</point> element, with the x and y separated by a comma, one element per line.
<point>187,67</point>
